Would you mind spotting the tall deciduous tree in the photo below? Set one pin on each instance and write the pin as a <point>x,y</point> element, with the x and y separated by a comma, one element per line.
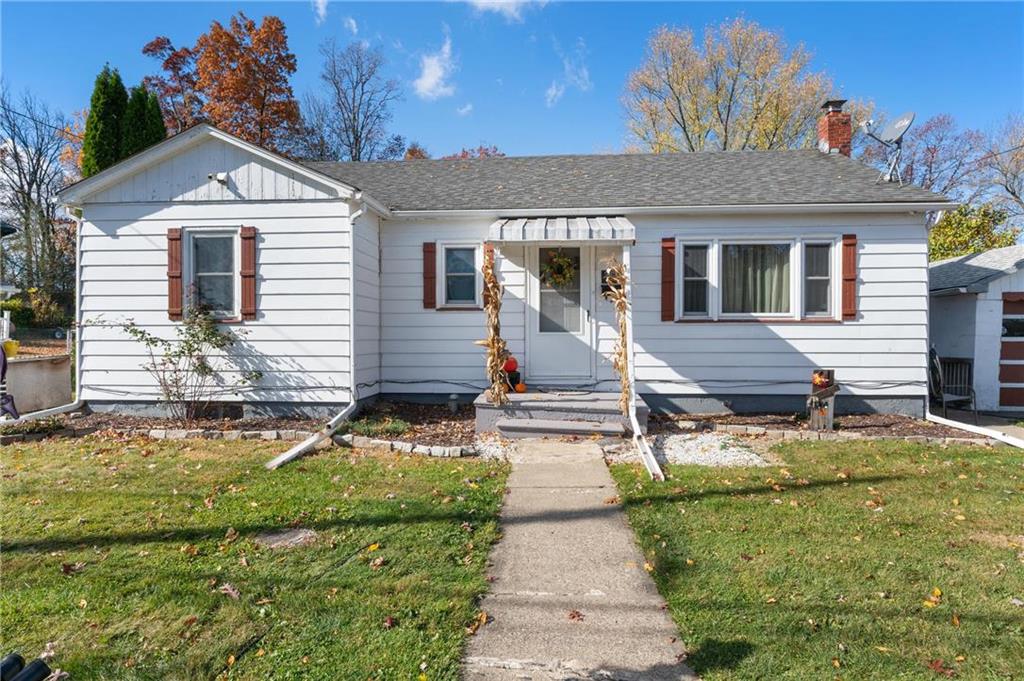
<point>31,173</point>
<point>357,102</point>
<point>143,122</point>
<point>970,229</point>
<point>177,88</point>
<point>740,87</point>
<point>1003,166</point>
<point>939,156</point>
<point>243,71</point>
<point>103,128</point>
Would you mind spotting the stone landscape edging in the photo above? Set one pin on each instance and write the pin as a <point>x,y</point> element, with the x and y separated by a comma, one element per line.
<point>285,435</point>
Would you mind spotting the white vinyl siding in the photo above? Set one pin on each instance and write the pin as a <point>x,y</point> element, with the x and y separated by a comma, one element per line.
<point>366,305</point>
<point>300,339</point>
<point>883,352</point>
<point>434,350</point>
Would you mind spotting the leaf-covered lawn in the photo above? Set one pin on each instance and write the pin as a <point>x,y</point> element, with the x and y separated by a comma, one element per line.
<point>854,561</point>
<point>136,560</point>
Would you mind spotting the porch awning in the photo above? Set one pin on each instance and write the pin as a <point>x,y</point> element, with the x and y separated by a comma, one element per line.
<point>601,228</point>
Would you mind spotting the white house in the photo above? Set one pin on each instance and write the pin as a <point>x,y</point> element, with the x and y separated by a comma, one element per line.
<point>353,280</point>
<point>977,317</point>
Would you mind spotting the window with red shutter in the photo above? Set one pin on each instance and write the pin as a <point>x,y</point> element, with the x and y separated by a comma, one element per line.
<point>174,288</point>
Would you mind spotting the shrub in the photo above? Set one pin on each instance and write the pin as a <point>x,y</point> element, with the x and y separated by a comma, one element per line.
<point>46,312</point>
<point>21,314</point>
<point>185,368</point>
<point>377,427</point>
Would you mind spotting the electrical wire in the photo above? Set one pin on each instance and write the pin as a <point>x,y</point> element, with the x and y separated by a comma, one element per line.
<point>62,131</point>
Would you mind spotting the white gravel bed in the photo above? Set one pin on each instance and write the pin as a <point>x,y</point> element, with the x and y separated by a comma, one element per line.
<point>704,449</point>
<point>493,446</point>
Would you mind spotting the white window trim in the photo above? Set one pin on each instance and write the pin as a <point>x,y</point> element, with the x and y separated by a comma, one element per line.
<point>442,275</point>
<point>796,285</point>
<point>188,266</point>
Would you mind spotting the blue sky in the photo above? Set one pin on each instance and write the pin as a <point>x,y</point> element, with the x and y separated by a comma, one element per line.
<point>535,78</point>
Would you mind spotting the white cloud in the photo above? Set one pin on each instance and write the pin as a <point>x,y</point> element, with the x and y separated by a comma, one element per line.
<point>465,109</point>
<point>575,67</point>
<point>554,93</point>
<point>512,10</point>
<point>435,70</point>
<point>574,73</point>
<point>351,25</point>
<point>320,10</point>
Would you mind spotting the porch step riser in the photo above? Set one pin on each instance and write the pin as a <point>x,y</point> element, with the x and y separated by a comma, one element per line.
<point>561,411</point>
<point>523,428</point>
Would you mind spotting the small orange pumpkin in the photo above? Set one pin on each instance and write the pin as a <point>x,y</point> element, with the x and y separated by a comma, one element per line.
<point>520,387</point>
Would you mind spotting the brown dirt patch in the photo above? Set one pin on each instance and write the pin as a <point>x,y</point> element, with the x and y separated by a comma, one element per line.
<point>105,421</point>
<point>865,424</point>
<point>430,424</point>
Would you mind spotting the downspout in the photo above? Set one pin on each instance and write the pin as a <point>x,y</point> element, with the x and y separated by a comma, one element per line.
<point>77,403</point>
<point>332,426</point>
<point>646,455</point>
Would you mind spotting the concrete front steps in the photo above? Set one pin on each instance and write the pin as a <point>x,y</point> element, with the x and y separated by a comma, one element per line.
<point>557,413</point>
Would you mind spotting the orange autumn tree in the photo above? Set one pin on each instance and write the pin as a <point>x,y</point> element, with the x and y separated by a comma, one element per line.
<point>243,71</point>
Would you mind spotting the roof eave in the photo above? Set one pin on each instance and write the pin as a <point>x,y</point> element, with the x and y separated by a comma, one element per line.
<point>493,213</point>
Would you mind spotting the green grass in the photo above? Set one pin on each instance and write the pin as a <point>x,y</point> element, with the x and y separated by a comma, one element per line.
<point>151,532</point>
<point>821,568</point>
<point>376,426</point>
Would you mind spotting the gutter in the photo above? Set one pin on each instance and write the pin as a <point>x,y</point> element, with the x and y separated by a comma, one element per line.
<point>894,207</point>
<point>332,426</point>
<point>77,403</point>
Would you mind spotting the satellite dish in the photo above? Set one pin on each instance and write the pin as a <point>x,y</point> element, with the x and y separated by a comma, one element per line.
<point>891,137</point>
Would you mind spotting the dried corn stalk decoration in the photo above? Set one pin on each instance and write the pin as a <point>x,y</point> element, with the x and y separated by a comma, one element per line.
<point>616,279</point>
<point>497,352</point>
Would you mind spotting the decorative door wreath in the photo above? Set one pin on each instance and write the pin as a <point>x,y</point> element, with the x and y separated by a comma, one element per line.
<point>559,270</point>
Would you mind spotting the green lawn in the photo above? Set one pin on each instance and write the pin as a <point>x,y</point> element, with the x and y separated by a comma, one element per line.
<point>854,561</point>
<point>127,556</point>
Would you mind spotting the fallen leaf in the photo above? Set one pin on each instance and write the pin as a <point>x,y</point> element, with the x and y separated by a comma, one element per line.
<point>478,621</point>
<point>939,667</point>
<point>231,535</point>
<point>229,590</point>
<point>82,603</point>
<point>836,663</point>
<point>648,567</point>
<point>390,622</point>
<point>372,547</point>
<point>955,620</point>
<point>260,652</point>
<point>575,616</point>
<point>71,568</point>
<point>231,660</point>
<point>377,563</point>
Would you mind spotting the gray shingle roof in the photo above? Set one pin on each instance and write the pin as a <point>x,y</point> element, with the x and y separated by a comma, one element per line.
<point>622,180</point>
<point>973,272</point>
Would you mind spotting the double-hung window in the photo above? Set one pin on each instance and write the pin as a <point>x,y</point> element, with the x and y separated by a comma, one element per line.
<point>817,279</point>
<point>213,268</point>
<point>696,292</point>
<point>459,283</point>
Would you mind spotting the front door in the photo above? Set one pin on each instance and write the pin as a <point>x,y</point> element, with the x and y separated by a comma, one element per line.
<point>558,315</point>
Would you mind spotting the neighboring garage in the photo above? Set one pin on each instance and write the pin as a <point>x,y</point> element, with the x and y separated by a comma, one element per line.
<point>977,323</point>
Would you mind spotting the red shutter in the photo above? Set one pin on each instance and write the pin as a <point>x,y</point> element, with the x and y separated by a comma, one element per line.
<point>488,257</point>
<point>429,275</point>
<point>668,279</point>
<point>248,272</point>
<point>174,292</point>
<point>849,276</point>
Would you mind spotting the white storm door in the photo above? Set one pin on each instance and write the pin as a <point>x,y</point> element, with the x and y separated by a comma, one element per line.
<point>558,314</point>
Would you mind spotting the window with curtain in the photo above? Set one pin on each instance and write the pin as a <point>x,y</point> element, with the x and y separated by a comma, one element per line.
<point>695,281</point>
<point>460,275</point>
<point>755,278</point>
<point>214,271</point>
<point>817,280</point>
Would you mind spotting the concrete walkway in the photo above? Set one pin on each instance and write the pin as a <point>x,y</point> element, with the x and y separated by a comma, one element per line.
<point>570,598</point>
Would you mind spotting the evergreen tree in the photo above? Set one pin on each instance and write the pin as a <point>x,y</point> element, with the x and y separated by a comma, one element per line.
<point>103,137</point>
<point>143,122</point>
<point>156,131</point>
<point>135,126</point>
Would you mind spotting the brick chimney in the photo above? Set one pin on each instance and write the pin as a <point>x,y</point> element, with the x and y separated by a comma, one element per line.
<point>835,130</point>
